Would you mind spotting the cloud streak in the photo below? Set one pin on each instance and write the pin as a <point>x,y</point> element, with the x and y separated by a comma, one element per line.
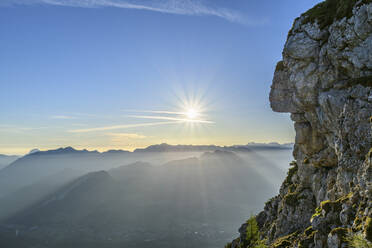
<point>17,129</point>
<point>106,128</point>
<point>119,137</point>
<point>178,7</point>
<point>170,118</point>
<point>62,117</point>
<point>166,117</point>
<point>157,112</point>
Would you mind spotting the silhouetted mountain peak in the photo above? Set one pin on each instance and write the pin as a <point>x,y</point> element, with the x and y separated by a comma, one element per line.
<point>62,150</point>
<point>33,151</point>
<point>198,148</point>
<point>115,152</point>
<point>164,147</point>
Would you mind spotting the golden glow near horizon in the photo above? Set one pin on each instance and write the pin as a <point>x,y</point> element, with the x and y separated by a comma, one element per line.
<point>188,118</point>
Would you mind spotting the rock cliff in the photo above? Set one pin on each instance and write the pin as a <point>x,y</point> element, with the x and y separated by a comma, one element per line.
<point>325,82</point>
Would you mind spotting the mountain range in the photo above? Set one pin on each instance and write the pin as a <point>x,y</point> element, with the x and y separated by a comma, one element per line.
<point>20,173</point>
<point>173,198</point>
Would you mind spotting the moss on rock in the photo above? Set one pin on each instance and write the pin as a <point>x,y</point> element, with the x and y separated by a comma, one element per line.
<point>318,211</point>
<point>292,198</point>
<point>306,238</point>
<point>285,241</point>
<point>368,229</point>
<point>369,154</point>
<point>325,13</point>
<point>279,66</point>
<point>335,206</point>
<point>364,81</point>
<point>291,172</point>
<point>341,233</point>
<point>358,241</point>
<point>357,224</point>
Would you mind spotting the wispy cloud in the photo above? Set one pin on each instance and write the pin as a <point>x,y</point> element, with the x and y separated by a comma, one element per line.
<point>156,112</point>
<point>62,117</point>
<point>105,128</point>
<point>178,7</point>
<point>119,137</point>
<point>167,117</point>
<point>128,135</point>
<point>170,118</point>
<point>17,129</point>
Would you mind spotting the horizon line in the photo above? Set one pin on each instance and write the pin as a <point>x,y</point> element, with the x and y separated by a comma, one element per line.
<point>273,143</point>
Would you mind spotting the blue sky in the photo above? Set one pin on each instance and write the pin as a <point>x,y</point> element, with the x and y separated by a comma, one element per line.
<point>106,74</point>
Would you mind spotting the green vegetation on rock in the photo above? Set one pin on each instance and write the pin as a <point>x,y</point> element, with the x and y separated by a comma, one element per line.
<point>253,239</point>
<point>325,13</point>
<point>341,233</point>
<point>365,81</point>
<point>358,241</point>
<point>328,205</point>
<point>291,172</point>
<point>336,205</point>
<point>369,154</point>
<point>318,211</point>
<point>228,245</point>
<point>368,229</point>
<point>307,237</point>
<point>292,198</point>
<point>279,66</point>
<point>285,241</point>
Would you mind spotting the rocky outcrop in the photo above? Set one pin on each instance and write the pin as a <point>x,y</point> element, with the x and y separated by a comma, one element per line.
<point>325,82</point>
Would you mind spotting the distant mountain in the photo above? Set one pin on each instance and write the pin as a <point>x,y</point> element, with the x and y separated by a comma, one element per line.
<point>272,145</point>
<point>176,148</point>
<point>115,152</point>
<point>33,167</point>
<point>236,148</point>
<point>72,202</point>
<point>37,165</point>
<point>5,160</point>
<point>143,205</point>
<point>66,150</point>
<point>33,151</point>
<point>28,195</point>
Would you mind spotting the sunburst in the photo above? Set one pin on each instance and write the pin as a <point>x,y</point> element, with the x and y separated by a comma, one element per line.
<point>192,113</point>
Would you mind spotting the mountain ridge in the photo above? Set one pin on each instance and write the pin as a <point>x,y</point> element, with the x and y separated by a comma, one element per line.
<point>164,147</point>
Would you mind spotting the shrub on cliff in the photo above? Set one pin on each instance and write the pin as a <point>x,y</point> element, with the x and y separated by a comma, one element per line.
<point>253,239</point>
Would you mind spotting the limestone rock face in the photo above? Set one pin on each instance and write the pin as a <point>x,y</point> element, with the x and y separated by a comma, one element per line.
<point>325,82</point>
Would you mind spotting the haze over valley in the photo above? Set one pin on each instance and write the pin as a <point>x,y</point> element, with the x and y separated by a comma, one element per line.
<point>161,196</point>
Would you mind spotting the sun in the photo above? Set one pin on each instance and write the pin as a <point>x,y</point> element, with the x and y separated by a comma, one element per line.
<point>191,114</point>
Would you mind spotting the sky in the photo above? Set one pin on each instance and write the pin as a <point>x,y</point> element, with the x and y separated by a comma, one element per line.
<point>123,74</point>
